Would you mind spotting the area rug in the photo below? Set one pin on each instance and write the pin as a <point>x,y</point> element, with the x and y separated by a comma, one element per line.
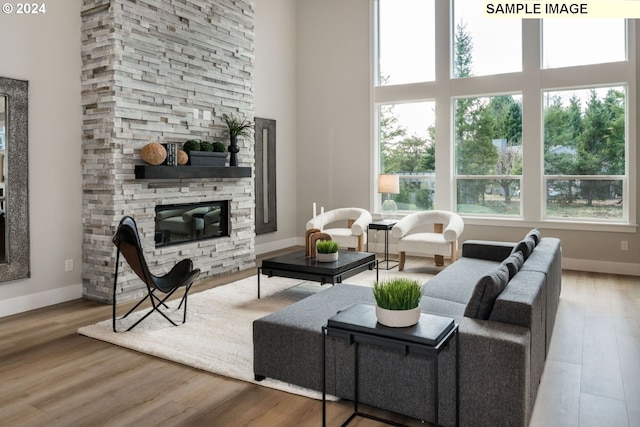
<point>218,334</point>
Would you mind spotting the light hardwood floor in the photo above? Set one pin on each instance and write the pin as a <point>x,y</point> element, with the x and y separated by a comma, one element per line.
<point>50,376</point>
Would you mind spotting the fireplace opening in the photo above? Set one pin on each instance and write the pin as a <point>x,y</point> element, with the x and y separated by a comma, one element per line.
<point>181,223</point>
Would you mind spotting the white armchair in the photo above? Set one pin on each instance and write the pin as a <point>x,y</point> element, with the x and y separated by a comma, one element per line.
<point>429,233</point>
<point>352,235</point>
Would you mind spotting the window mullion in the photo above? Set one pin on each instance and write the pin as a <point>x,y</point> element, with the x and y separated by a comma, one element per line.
<point>532,150</point>
<point>445,184</point>
<point>633,40</point>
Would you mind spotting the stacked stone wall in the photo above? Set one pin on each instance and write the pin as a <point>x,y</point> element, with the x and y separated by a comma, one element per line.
<point>146,66</point>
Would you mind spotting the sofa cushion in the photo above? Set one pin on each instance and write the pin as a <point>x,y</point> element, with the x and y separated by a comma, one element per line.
<point>442,307</point>
<point>456,284</point>
<point>514,263</point>
<point>486,291</point>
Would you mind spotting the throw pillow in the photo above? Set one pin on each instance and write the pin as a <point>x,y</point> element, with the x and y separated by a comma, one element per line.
<point>525,246</point>
<point>485,293</point>
<point>535,235</point>
<point>514,263</point>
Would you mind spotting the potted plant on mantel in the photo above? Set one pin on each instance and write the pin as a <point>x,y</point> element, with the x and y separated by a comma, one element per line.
<point>398,301</point>
<point>327,250</point>
<point>235,128</point>
<point>204,153</point>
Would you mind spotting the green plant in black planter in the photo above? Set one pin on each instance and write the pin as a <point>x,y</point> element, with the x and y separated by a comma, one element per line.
<point>191,145</point>
<point>204,153</point>
<point>206,146</point>
<point>235,128</point>
<point>219,147</point>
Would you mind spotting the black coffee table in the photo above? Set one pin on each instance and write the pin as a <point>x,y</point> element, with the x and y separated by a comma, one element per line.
<point>297,265</point>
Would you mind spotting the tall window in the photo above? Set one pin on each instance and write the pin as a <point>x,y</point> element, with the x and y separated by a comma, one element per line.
<point>488,137</point>
<point>415,61</point>
<point>584,153</point>
<point>407,149</point>
<point>537,131</point>
<point>484,47</point>
<point>566,43</point>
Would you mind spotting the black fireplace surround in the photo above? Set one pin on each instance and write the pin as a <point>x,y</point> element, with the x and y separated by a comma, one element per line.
<point>181,223</point>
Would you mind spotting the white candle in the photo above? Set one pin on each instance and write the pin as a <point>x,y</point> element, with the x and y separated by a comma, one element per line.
<point>314,209</point>
<point>321,210</point>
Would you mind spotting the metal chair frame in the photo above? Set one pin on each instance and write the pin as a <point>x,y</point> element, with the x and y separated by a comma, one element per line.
<point>127,241</point>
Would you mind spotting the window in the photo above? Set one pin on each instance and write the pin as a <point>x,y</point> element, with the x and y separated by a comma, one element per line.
<point>584,153</point>
<point>571,42</point>
<point>488,153</point>
<point>518,129</point>
<point>407,149</point>
<point>480,44</point>
<point>408,23</point>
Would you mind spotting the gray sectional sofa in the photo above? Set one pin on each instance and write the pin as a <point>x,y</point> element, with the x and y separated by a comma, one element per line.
<point>504,297</point>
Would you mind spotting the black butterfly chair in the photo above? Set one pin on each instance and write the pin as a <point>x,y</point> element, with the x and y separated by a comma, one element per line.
<point>182,274</point>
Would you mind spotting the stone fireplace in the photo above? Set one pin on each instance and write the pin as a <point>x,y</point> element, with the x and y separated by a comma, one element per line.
<point>166,71</point>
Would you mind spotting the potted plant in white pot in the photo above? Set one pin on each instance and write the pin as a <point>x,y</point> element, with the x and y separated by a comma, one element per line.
<point>398,301</point>
<point>204,153</point>
<point>235,128</point>
<point>327,250</point>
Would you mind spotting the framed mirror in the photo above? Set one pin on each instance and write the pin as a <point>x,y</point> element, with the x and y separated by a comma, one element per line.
<point>14,182</point>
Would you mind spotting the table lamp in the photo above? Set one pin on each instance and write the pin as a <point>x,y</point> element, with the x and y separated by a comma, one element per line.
<point>390,184</point>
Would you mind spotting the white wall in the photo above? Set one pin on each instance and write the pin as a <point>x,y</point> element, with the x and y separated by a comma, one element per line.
<point>45,50</point>
<point>275,98</point>
<point>333,85</point>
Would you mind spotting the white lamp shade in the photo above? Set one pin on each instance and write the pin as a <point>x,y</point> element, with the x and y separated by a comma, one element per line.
<point>389,183</point>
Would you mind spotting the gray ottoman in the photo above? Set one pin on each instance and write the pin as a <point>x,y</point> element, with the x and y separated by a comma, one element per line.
<point>287,346</point>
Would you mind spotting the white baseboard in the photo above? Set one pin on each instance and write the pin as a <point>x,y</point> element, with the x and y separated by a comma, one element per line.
<point>280,244</point>
<point>24,303</point>
<point>624,268</point>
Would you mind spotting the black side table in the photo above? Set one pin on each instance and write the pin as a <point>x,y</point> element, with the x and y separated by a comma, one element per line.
<point>357,323</point>
<point>385,225</point>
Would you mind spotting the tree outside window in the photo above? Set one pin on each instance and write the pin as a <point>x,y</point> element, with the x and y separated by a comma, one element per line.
<point>407,148</point>
<point>584,140</point>
<point>488,142</point>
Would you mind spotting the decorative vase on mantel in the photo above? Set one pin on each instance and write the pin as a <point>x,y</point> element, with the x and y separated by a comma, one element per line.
<point>233,151</point>
<point>235,128</point>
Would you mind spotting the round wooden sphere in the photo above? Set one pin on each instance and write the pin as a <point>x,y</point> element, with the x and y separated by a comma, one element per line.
<point>154,153</point>
<point>183,157</point>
